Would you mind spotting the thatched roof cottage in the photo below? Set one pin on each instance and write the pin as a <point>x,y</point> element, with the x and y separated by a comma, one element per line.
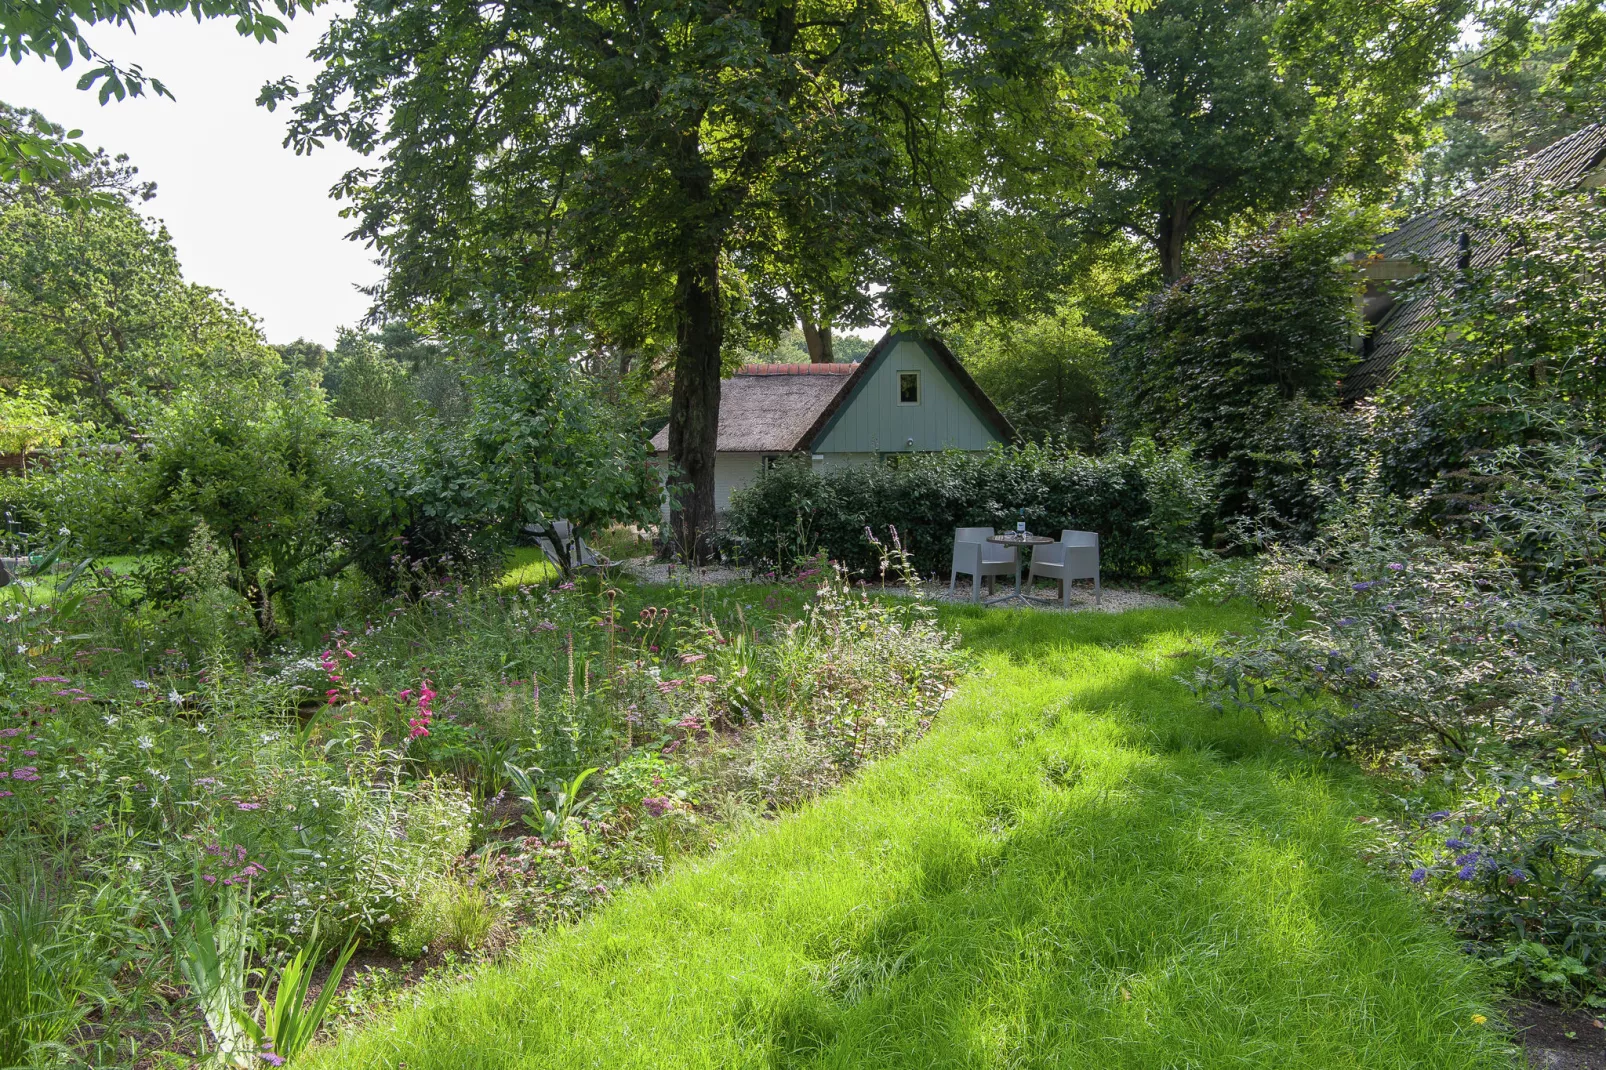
<point>910,394</point>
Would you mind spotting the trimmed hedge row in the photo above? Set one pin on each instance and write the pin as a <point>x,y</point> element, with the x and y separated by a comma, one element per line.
<point>1146,505</point>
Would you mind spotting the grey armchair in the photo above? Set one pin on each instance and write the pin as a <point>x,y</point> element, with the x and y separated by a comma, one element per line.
<point>1074,557</point>
<point>980,559</point>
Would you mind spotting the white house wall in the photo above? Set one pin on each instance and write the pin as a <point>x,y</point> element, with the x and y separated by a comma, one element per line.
<point>873,422</point>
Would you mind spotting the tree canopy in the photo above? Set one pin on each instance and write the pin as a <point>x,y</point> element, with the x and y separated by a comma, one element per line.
<point>706,166</point>
<point>1248,107</point>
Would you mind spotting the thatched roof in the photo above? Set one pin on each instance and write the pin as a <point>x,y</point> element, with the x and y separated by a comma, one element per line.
<point>768,408</point>
<point>786,408</point>
<point>1433,239</point>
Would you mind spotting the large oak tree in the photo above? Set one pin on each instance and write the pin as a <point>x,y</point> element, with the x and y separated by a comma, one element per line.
<point>709,163</point>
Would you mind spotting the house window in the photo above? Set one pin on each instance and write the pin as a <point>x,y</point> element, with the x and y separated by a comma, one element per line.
<point>908,388</point>
<point>771,460</point>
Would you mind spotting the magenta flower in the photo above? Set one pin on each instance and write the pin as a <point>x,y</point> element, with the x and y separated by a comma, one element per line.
<point>5,794</point>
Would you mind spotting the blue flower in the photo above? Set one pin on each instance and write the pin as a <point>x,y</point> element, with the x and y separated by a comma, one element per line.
<point>1456,844</point>
<point>142,685</point>
<point>1365,585</point>
<point>1418,875</point>
<point>1344,622</point>
<point>1438,815</point>
<point>1519,875</point>
<point>1468,871</point>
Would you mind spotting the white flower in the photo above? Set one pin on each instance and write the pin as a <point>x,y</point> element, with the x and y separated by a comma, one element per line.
<point>111,720</point>
<point>22,648</point>
<point>63,532</point>
<point>146,743</point>
<point>175,698</point>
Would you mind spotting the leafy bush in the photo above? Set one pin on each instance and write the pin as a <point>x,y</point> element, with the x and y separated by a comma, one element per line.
<point>1516,349</point>
<point>1474,672</point>
<point>1146,505</point>
<point>1241,362</point>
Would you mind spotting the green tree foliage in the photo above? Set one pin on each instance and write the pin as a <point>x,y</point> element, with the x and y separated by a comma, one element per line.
<point>1045,372</point>
<point>1246,107</point>
<point>1497,112</point>
<point>1518,345</point>
<point>34,152</point>
<point>1242,361</point>
<point>684,168</point>
<point>94,307</point>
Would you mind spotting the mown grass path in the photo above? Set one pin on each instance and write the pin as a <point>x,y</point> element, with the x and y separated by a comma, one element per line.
<point>1078,867</point>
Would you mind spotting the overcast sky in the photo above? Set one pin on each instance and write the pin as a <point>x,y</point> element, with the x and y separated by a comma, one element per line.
<point>247,215</point>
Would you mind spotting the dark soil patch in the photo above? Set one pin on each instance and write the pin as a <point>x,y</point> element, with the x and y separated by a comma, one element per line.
<point>1556,1038</point>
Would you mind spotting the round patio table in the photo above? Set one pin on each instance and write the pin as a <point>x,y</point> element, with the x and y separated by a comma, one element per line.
<point>1012,538</point>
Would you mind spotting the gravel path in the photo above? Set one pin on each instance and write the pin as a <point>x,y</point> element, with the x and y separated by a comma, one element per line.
<point>1116,599</point>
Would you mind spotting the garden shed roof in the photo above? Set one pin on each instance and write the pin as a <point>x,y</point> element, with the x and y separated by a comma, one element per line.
<point>785,408</point>
<point>1433,238</point>
<point>767,408</point>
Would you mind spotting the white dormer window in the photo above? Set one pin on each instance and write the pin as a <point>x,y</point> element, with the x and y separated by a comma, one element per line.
<point>908,388</point>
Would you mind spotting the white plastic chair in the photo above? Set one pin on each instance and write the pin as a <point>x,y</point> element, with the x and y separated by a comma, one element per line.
<point>1074,557</point>
<point>981,559</point>
<point>578,553</point>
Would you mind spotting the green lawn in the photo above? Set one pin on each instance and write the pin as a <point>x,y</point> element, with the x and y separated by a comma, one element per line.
<point>1078,867</point>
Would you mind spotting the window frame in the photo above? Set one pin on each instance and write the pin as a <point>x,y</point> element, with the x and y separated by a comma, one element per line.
<point>919,394</point>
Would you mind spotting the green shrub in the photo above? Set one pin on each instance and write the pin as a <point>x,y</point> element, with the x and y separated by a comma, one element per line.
<point>1241,362</point>
<point>1473,672</point>
<point>1145,503</point>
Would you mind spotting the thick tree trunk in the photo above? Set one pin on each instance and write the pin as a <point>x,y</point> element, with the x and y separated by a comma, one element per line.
<point>694,408</point>
<point>818,337</point>
<point>1171,236</point>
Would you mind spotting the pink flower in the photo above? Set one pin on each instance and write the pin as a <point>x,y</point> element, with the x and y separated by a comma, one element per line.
<point>349,653</point>
<point>691,659</point>
<point>50,680</point>
<point>208,878</point>
<point>405,695</point>
<point>30,754</point>
<point>248,806</point>
<point>706,679</point>
<point>666,686</point>
<point>657,807</point>
<point>5,794</point>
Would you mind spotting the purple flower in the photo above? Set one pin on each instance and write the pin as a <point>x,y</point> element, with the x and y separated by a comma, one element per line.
<point>655,806</point>
<point>1395,566</point>
<point>5,794</point>
<point>1418,875</point>
<point>50,680</point>
<point>141,685</point>
<point>1344,622</point>
<point>1365,585</point>
<point>248,806</point>
<point>1438,815</point>
<point>1454,844</point>
<point>25,772</point>
<point>1468,871</point>
<point>1517,876</point>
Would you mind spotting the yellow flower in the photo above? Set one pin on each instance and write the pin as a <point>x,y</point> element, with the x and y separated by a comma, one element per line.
<point>1478,1019</point>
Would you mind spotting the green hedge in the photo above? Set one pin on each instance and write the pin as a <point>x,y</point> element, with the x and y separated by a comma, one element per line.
<point>1145,504</point>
